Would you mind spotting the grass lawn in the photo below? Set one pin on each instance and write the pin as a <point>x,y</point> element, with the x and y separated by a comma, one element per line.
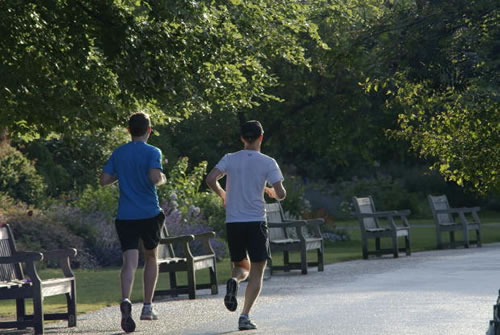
<point>100,288</point>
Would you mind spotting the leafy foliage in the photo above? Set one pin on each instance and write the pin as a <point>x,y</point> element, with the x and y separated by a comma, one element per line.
<point>442,78</point>
<point>19,178</point>
<point>70,163</point>
<point>89,63</point>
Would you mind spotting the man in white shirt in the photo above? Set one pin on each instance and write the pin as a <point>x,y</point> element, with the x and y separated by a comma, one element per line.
<point>248,171</point>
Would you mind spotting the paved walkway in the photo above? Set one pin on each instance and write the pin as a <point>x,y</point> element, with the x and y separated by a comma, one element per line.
<point>449,292</point>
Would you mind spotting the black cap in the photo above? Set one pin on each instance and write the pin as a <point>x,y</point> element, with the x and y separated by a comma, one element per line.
<point>251,130</point>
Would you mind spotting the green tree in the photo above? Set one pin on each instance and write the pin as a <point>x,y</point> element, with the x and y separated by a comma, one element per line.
<point>68,66</point>
<point>442,74</point>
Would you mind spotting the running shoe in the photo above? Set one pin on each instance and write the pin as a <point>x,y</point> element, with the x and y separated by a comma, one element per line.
<point>231,293</point>
<point>244,323</point>
<point>128,324</point>
<point>148,313</point>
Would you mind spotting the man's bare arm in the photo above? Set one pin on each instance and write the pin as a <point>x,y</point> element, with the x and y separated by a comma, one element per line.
<point>107,179</point>
<point>157,177</point>
<point>212,181</point>
<point>277,192</point>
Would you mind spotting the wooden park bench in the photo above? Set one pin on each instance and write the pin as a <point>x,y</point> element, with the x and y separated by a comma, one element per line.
<point>453,220</point>
<point>18,282</point>
<point>369,222</point>
<point>169,262</point>
<point>294,235</point>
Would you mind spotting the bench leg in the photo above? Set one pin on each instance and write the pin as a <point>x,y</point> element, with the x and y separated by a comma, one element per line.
<point>364,248</point>
<point>321,258</point>
<point>286,261</point>
<point>20,311</point>
<point>173,283</point>
<point>213,280</point>
<point>466,238</point>
<point>407,245</point>
<point>438,239</point>
<point>303,260</point>
<point>395,248</point>
<point>478,237</point>
<point>71,303</point>
<point>191,283</point>
<point>38,313</point>
<point>452,239</point>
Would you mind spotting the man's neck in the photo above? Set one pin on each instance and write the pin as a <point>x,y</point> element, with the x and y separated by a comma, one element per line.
<point>255,147</point>
<point>143,138</point>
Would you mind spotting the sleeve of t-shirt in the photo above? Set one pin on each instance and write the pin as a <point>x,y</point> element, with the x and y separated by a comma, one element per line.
<point>109,167</point>
<point>155,162</point>
<point>274,174</point>
<point>223,164</point>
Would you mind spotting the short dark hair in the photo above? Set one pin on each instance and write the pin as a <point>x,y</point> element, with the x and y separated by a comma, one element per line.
<point>138,124</point>
<point>251,130</point>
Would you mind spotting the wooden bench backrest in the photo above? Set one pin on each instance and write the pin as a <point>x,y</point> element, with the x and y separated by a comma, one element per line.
<point>165,250</point>
<point>440,202</point>
<point>274,213</point>
<point>13,271</point>
<point>365,206</point>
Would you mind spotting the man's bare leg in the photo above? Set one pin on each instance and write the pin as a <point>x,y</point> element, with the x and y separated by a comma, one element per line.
<point>150,274</point>
<point>127,274</point>
<point>254,285</point>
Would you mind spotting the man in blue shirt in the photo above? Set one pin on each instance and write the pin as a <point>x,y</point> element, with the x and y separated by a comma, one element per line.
<point>137,168</point>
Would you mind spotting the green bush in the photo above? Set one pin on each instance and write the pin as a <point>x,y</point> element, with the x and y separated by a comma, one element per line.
<point>19,178</point>
<point>99,199</point>
<point>212,210</point>
<point>184,184</point>
<point>71,163</point>
<point>387,193</point>
<point>35,230</point>
<point>295,203</point>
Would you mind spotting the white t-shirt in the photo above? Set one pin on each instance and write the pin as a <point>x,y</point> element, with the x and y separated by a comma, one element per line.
<point>247,173</point>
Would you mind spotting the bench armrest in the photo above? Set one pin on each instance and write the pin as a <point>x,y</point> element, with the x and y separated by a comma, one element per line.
<point>177,239</point>
<point>62,256</point>
<point>287,224</point>
<point>21,257</point>
<point>29,259</point>
<point>457,210</point>
<point>207,235</point>
<point>403,212</point>
<point>60,253</point>
<point>317,221</point>
<point>205,239</point>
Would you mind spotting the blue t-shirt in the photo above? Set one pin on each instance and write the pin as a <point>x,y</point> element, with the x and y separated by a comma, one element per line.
<point>131,163</point>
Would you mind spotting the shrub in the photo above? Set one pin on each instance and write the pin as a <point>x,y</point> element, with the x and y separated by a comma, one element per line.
<point>19,178</point>
<point>103,200</point>
<point>36,231</point>
<point>190,223</point>
<point>71,163</point>
<point>295,203</point>
<point>388,194</point>
<point>185,184</point>
<point>94,227</point>
<point>212,211</point>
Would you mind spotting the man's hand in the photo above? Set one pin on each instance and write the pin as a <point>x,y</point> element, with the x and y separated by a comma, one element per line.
<point>157,177</point>
<point>270,192</point>
<point>277,192</point>
<point>107,179</point>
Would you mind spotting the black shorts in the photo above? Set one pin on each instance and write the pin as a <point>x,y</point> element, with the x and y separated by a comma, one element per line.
<point>248,239</point>
<point>147,230</point>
